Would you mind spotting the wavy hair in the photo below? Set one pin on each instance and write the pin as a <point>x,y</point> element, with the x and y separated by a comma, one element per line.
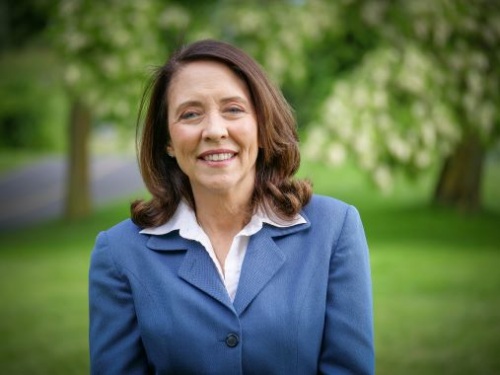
<point>276,189</point>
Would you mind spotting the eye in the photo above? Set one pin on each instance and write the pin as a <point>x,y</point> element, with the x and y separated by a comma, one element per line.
<point>189,115</point>
<point>234,110</point>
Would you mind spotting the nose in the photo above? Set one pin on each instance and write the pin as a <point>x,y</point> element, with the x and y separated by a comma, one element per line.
<point>215,127</point>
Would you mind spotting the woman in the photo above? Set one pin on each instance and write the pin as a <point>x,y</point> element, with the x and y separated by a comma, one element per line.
<point>232,267</point>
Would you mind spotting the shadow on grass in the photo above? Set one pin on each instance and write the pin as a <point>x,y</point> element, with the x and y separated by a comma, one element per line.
<point>425,225</point>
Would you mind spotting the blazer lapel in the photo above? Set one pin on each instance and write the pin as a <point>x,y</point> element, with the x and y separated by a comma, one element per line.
<point>197,268</point>
<point>262,261</point>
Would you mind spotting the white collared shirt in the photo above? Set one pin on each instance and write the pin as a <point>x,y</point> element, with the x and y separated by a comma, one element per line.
<point>184,220</point>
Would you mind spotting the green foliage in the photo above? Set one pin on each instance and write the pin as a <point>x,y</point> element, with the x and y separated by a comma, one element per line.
<point>109,48</point>
<point>32,103</point>
<point>463,39</point>
<point>431,80</point>
<point>395,84</point>
<point>22,23</point>
<point>384,114</point>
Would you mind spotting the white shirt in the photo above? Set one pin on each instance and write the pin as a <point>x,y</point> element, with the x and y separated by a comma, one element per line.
<point>184,220</point>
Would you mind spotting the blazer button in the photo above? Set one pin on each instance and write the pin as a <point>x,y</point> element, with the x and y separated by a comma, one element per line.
<point>232,340</point>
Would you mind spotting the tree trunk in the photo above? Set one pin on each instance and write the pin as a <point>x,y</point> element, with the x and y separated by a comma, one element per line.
<point>78,203</point>
<point>459,184</point>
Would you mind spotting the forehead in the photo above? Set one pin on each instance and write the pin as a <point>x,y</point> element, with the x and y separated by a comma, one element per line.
<point>198,78</point>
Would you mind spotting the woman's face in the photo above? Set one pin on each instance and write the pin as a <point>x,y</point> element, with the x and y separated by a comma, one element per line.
<point>213,129</point>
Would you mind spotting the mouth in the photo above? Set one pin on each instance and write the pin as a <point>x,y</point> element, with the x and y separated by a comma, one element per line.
<point>217,156</point>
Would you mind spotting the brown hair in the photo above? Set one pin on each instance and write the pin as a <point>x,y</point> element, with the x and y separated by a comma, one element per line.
<point>275,187</point>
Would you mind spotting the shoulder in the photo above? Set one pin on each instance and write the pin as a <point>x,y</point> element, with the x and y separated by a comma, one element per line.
<point>124,231</point>
<point>331,215</point>
<point>120,238</point>
<point>319,205</point>
<point>122,249</point>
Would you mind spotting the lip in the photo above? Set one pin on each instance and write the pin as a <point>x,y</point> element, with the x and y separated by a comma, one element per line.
<point>217,151</point>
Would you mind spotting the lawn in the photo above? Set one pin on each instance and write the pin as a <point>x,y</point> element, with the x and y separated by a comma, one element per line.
<point>12,159</point>
<point>435,278</point>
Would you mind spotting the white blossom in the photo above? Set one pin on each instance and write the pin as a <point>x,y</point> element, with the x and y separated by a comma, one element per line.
<point>383,178</point>
<point>72,74</point>
<point>422,159</point>
<point>336,154</point>
<point>175,17</point>
<point>398,147</point>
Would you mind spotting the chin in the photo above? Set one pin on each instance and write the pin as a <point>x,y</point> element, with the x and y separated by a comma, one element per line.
<point>215,186</point>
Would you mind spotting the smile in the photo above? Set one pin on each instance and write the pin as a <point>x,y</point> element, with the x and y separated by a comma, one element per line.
<point>218,157</point>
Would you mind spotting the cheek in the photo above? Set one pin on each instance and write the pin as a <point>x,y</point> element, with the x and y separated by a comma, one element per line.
<point>185,142</point>
<point>178,137</point>
<point>248,132</point>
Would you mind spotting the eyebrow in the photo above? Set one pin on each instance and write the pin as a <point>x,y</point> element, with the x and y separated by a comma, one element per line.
<point>238,99</point>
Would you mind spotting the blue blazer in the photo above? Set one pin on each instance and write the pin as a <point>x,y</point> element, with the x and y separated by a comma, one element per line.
<point>303,304</point>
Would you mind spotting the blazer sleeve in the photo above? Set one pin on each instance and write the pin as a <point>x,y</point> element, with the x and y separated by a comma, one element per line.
<point>347,346</point>
<point>115,343</point>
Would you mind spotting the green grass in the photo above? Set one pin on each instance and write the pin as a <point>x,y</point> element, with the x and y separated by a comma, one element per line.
<point>43,286</point>
<point>11,160</point>
<point>435,278</point>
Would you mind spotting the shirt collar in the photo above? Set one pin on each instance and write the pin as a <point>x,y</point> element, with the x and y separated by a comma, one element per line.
<point>184,220</point>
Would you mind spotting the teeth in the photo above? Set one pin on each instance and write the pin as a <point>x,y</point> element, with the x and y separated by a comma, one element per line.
<point>218,157</point>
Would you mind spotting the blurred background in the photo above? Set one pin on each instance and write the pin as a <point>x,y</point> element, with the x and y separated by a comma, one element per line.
<point>398,108</point>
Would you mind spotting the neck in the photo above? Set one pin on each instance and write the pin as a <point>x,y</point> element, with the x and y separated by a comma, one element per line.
<point>220,214</point>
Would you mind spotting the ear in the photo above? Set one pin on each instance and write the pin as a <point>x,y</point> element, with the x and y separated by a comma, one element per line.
<point>170,151</point>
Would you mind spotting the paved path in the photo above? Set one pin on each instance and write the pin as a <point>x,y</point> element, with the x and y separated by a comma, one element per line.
<point>36,193</point>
